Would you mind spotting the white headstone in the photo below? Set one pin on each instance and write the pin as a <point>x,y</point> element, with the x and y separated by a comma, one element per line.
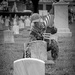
<point>8,36</point>
<point>15,29</point>
<point>6,22</point>
<point>21,24</point>
<point>29,66</point>
<point>27,22</point>
<point>38,49</point>
<point>61,18</point>
<point>1,20</point>
<point>40,13</point>
<point>43,12</point>
<point>1,23</point>
<point>14,21</point>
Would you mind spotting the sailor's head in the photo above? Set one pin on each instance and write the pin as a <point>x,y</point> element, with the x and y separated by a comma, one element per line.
<point>35,17</point>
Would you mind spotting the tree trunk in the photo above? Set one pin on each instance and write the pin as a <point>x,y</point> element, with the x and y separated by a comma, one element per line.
<point>35,6</point>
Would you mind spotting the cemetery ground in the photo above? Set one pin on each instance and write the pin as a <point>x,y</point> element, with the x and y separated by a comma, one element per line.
<point>65,64</point>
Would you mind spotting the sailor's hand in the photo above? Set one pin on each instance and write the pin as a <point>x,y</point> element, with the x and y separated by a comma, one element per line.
<point>46,35</point>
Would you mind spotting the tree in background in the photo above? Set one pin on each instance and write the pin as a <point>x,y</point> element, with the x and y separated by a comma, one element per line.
<point>35,6</point>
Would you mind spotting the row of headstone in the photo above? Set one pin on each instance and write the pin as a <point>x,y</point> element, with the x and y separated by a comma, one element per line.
<point>20,24</point>
<point>15,25</point>
<point>21,21</point>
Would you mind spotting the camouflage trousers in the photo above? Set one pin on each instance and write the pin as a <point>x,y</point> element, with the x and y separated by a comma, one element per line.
<point>52,46</point>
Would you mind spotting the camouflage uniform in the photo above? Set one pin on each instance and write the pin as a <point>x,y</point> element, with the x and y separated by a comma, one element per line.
<point>37,31</point>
